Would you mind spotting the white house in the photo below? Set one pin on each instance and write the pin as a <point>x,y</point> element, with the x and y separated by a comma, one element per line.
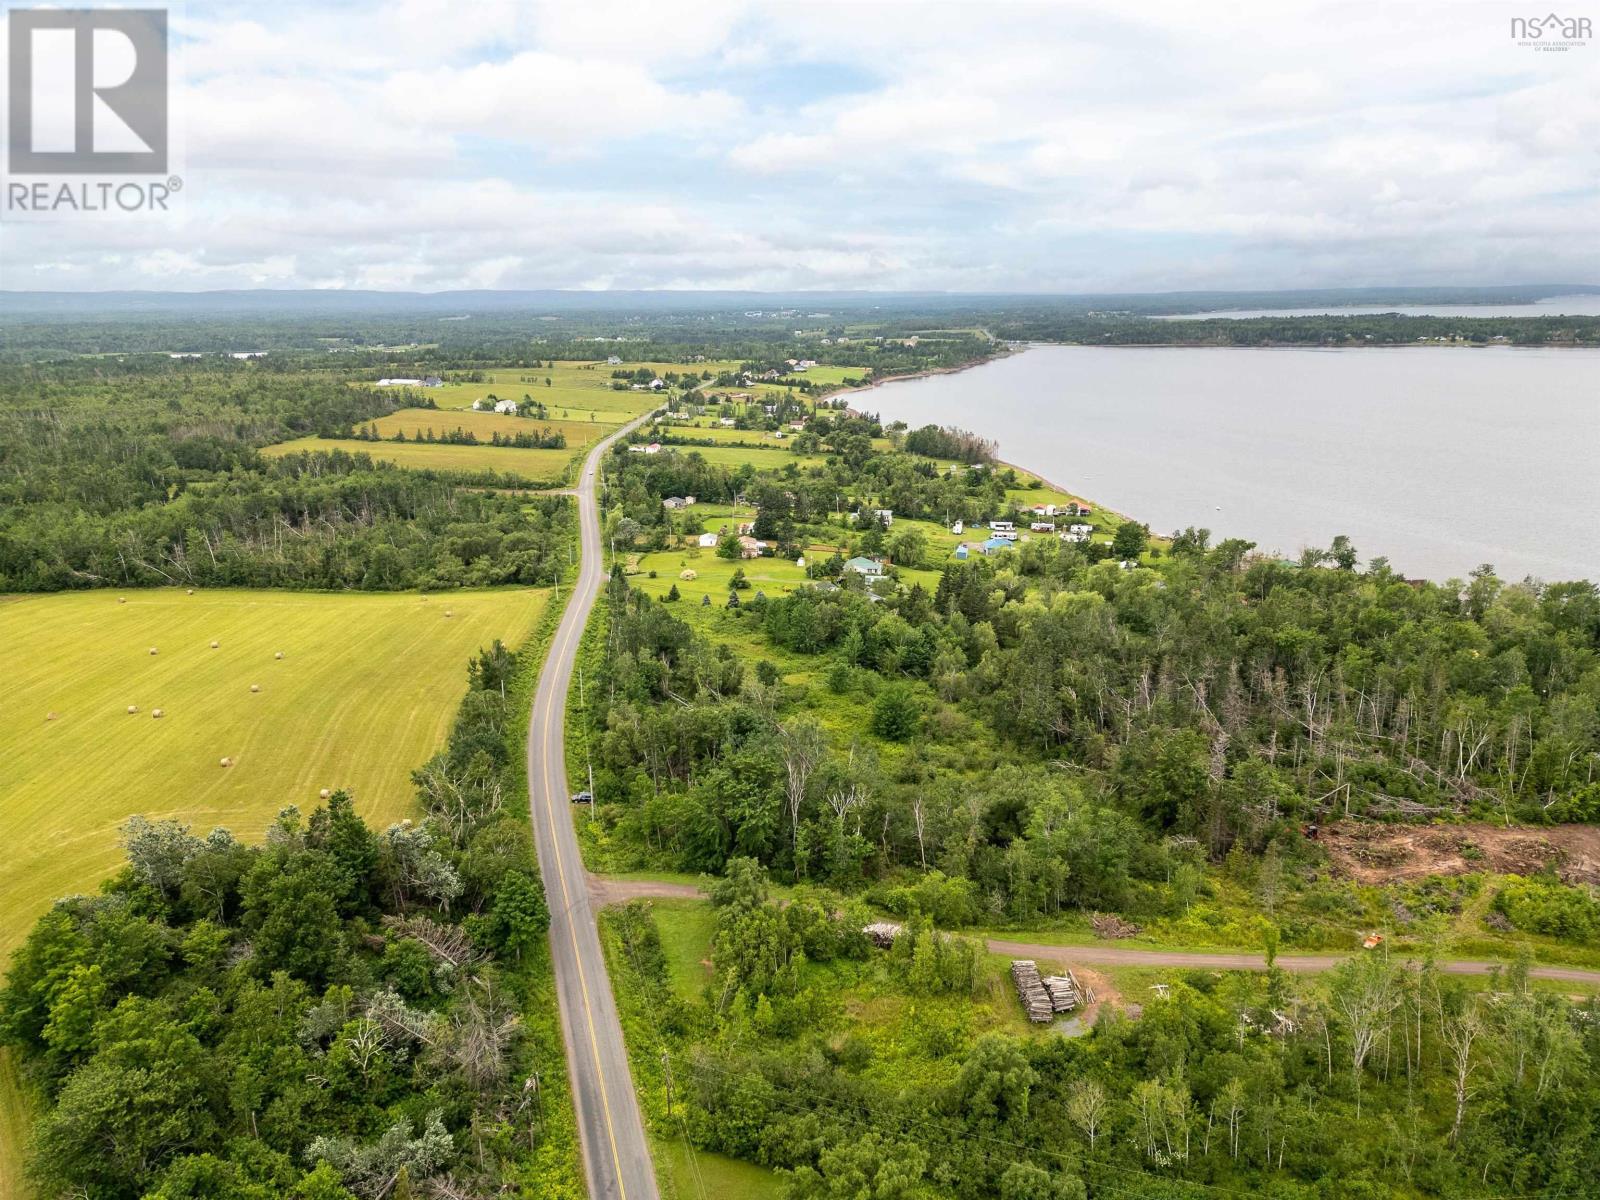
<point>1086,530</point>
<point>656,385</point>
<point>999,527</point>
<point>672,502</point>
<point>508,407</point>
<point>709,541</point>
<point>247,354</point>
<point>381,382</point>
<point>1043,527</point>
<point>726,422</point>
<point>636,449</point>
<point>1069,536</point>
<point>958,528</point>
<point>886,515</point>
<point>613,361</point>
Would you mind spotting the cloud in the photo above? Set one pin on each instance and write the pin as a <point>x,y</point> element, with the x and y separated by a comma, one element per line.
<point>742,143</point>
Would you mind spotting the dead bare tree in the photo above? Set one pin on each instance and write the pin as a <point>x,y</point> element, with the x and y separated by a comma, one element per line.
<point>804,747</point>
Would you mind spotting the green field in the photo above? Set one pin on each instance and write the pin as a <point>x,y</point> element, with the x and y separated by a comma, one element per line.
<point>365,691</point>
<point>535,466</point>
<point>485,425</point>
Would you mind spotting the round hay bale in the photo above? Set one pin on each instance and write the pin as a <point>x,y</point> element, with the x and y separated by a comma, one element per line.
<point>215,645</point>
<point>325,793</point>
<point>688,573</point>
<point>279,654</point>
<point>227,762</point>
<point>133,708</point>
<point>50,716</point>
<point>255,687</point>
<point>157,713</point>
<point>449,613</point>
<point>190,592</point>
<point>122,599</point>
<point>153,650</point>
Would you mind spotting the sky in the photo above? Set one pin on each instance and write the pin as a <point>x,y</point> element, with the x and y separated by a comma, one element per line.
<point>973,147</point>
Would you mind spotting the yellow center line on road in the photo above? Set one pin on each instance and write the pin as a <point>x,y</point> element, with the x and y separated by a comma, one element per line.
<point>559,653</point>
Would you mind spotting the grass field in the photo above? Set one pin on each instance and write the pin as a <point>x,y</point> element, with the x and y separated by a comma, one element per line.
<point>535,466</point>
<point>365,691</point>
<point>485,425</point>
<point>685,1173</point>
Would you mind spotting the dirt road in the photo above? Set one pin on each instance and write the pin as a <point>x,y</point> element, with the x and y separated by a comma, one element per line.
<point>617,891</point>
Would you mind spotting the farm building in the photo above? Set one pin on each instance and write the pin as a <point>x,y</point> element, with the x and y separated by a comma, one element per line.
<point>508,407</point>
<point>709,541</point>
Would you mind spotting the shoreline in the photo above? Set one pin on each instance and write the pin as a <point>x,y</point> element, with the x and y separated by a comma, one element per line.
<point>1029,472</point>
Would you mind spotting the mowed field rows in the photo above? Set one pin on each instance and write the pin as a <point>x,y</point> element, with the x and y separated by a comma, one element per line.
<point>365,692</point>
<point>533,466</point>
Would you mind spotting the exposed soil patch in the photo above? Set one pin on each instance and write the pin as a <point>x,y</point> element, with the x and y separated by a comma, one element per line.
<point>1377,854</point>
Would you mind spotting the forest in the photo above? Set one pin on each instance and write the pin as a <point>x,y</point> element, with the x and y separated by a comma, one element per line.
<point>1046,734</point>
<point>337,1013</point>
<point>150,473</point>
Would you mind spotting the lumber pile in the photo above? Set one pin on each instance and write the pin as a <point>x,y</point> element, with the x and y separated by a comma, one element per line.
<point>1065,993</point>
<point>1036,1001</point>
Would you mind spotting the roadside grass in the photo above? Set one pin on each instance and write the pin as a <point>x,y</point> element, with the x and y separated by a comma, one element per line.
<point>686,928</point>
<point>367,688</point>
<point>685,1173</point>
<point>534,466</point>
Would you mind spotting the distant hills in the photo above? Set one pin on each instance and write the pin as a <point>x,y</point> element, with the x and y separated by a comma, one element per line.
<point>795,305</point>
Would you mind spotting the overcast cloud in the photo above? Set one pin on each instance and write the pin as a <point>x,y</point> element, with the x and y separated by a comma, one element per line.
<point>1063,147</point>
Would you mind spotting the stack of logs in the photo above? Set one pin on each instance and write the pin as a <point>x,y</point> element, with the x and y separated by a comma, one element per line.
<point>1044,998</point>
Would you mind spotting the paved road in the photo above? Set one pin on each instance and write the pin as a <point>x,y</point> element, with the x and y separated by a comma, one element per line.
<point>616,1156</point>
<point>605,891</point>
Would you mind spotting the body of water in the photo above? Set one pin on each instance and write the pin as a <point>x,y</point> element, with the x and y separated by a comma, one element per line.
<point>1550,306</point>
<point>1438,458</point>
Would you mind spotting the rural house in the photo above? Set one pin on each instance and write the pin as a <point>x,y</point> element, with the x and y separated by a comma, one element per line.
<point>867,568</point>
<point>508,407</point>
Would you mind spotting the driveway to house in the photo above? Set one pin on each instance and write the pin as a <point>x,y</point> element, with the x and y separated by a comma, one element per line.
<point>616,1154</point>
<point>605,891</point>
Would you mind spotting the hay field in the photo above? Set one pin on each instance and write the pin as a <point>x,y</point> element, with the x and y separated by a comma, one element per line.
<point>365,692</point>
<point>485,425</point>
<point>532,466</point>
